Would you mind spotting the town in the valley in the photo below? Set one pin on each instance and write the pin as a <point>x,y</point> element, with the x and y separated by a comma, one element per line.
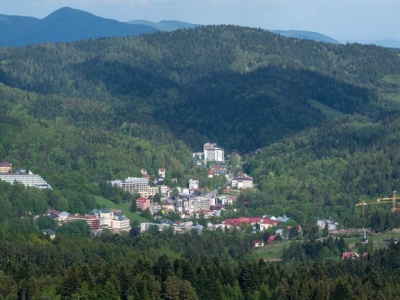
<point>193,207</point>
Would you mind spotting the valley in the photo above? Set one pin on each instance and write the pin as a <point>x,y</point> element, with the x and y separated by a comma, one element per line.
<point>314,125</point>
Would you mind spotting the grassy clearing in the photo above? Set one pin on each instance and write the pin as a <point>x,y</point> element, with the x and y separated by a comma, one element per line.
<point>103,202</point>
<point>271,252</point>
<point>329,112</point>
<point>376,238</point>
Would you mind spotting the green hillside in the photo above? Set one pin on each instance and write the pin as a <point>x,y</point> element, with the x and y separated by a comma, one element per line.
<point>323,118</point>
<point>202,83</point>
<point>90,111</point>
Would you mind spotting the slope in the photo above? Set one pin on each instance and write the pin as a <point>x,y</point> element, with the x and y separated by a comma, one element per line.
<point>186,78</point>
<point>325,171</point>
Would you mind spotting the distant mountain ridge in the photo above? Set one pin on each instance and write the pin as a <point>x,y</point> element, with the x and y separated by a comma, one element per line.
<point>63,25</point>
<point>309,35</point>
<point>68,24</point>
<point>165,25</point>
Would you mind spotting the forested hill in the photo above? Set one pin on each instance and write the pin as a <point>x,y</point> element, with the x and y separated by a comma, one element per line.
<point>241,87</point>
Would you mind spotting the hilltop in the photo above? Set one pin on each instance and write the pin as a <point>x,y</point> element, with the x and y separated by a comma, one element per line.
<point>314,125</point>
<point>107,108</point>
<point>67,24</point>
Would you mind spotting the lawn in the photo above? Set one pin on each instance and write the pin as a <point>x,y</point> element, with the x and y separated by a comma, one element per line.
<point>124,207</point>
<point>271,252</point>
<point>376,238</point>
<point>329,112</point>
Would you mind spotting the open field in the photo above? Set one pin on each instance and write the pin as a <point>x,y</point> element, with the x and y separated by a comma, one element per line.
<point>273,252</point>
<point>329,112</point>
<point>124,207</point>
<point>377,239</point>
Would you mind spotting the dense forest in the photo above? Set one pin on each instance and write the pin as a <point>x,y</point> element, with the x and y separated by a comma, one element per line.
<point>324,118</point>
<point>103,109</point>
<point>161,265</point>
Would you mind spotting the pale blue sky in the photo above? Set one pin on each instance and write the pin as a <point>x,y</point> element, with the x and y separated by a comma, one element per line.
<point>344,20</point>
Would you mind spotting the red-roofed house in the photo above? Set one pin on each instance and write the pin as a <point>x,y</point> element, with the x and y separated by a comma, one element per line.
<point>267,223</point>
<point>161,172</point>
<point>229,223</point>
<point>258,243</point>
<point>352,255</point>
<point>147,176</point>
<point>206,213</point>
<point>271,238</point>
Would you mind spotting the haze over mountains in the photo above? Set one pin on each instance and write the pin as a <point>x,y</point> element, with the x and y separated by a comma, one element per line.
<point>67,24</point>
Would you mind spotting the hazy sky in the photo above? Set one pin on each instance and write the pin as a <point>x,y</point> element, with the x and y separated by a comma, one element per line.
<point>344,20</point>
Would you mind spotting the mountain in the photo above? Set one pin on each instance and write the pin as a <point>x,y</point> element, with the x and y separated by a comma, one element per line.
<point>320,114</point>
<point>166,25</point>
<point>389,43</point>
<point>65,25</point>
<point>12,25</point>
<point>315,36</point>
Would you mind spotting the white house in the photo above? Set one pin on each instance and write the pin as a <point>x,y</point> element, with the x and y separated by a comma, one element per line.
<point>193,184</point>
<point>332,225</point>
<point>242,182</point>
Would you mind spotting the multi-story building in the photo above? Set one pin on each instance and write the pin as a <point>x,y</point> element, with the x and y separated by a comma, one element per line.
<point>5,167</point>
<point>213,153</point>
<point>27,178</point>
<point>242,182</point>
<point>332,225</point>
<point>161,172</point>
<point>105,215</point>
<point>193,184</point>
<point>133,185</point>
<point>92,220</point>
<point>120,223</point>
<point>199,203</point>
<point>142,203</point>
<point>136,185</point>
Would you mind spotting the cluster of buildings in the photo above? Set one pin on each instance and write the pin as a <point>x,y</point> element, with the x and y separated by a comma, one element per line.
<point>257,224</point>
<point>331,224</point>
<point>97,219</point>
<point>141,185</point>
<point>177,227</point>
<point>211,152</point>
<point>23,176</point>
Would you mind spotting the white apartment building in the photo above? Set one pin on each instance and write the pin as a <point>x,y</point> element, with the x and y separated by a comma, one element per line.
<point>28,179</point>
<point>120,223</point>
<point>133,185</point>
<point>214,154</point>
<point>199,203</point>
<point>193,184</point>
<point>332,225</point>
<point>116,222</point>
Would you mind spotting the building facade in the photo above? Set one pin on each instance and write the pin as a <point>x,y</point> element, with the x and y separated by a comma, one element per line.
<point>92,220</point>
<point>28,179</point>
<point>213,153</point>
<point>5,167</point>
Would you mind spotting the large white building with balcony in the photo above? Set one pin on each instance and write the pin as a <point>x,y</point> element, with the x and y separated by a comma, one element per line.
<point>27,178</point>
<point>213,153</point>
